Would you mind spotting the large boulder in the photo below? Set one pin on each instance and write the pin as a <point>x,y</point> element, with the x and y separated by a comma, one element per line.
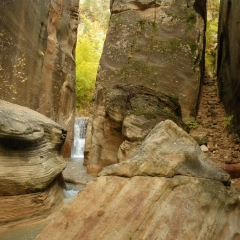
<point>30,162</point>
<point>37,58</point>
<point>229,58</point>
<point>168,190</point>
<point>123,116</point>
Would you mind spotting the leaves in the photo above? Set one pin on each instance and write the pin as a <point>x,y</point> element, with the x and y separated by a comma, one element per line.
<point>94,16</point>
<point>211,36</point>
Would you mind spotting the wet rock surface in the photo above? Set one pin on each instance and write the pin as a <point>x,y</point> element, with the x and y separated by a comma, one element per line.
<point>76,173</point>
<point>157,194</point>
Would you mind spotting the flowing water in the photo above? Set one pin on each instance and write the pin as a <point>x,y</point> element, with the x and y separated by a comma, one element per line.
<point>80,127</point>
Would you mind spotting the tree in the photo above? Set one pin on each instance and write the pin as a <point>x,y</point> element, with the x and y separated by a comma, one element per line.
<point>94,20</point>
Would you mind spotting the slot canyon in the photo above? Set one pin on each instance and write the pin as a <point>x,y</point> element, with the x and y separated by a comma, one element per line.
<point>162,154</point>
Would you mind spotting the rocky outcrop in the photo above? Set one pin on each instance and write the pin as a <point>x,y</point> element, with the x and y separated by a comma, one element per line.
<point>228,58</point>
<point>30,162</point>
<point>168,190</point>
<point>157,45</point>
<point>37,66</point>
<point>123,116</point>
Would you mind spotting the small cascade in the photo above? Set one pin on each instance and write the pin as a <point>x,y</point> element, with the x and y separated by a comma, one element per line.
<point>80,128</point>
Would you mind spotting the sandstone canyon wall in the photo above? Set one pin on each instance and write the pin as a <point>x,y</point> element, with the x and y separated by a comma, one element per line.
<point>175,193</point>
<point>30,163</point>
<point>37,66</point>
<point>151,47</point>
<point>229,58</point>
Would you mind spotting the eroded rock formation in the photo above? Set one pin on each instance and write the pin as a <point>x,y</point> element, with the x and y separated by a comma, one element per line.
<point>157,45</point>
<point>123,116</point>
<point>228,58</point>
<point>37,66</point>
<point>30,163</point>
<point>167,190</point>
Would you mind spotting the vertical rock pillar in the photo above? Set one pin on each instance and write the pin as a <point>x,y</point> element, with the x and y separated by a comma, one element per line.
<point>158,45</point>
<point>229,58</point>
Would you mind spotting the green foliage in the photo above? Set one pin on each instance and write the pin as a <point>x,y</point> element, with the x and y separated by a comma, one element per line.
<point>211,37</point>
<point>191,17</point>
<point>87,58</point>
<point>191,20</point>
<point>227,121</point>
<point>94,20</point>
<point>96,11</point>
<point>142,24</point>
<point>192,124</point>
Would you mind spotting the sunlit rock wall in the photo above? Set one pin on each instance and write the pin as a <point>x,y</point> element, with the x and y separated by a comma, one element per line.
<point>37,66</point>
<point>229,58</point>
<point>158,45</point>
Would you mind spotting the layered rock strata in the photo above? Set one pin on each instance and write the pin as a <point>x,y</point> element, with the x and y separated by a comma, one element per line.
<point>30,163</point>
<point>123,116</point>
<point>37,66</point>
<point>228,58</point>
<point>169,189</point>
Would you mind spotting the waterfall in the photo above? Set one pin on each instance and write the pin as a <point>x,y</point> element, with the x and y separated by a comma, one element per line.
<point>80,127</point>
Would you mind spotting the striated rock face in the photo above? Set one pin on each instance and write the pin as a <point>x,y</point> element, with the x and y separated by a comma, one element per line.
<point>123,116</point>
<point>37,66</point>
<point>168,190</point>
<point>30,162</point>
<point>228,58</point>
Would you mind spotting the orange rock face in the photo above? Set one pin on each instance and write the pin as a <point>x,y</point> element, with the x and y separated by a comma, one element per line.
<point>37,66</point>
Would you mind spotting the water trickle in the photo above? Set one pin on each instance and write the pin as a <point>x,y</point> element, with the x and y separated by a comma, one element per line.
<point>80,127</point>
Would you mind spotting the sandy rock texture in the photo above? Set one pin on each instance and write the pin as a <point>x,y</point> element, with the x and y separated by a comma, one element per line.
<point>228,58</point>
<point>123,116</point>
<point>156,44</point>
<point>30,161</point>
<point>168,190</point>
<point>37,62</point>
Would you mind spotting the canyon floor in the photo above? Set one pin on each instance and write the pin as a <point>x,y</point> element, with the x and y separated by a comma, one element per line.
<point>212,121</point>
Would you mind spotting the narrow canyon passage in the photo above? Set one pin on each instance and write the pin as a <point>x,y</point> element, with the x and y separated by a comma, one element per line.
<point>151,47</point>
<point>213,124</point>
